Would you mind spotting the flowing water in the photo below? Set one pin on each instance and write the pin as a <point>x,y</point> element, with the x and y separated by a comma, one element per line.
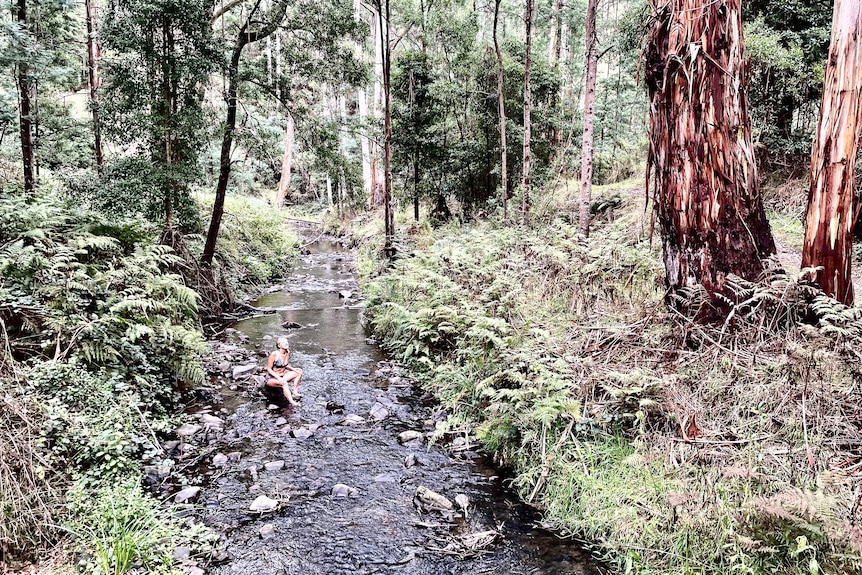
<point>346,487</point>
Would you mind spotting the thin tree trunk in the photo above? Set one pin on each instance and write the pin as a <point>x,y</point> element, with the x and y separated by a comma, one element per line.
<point>829,221</point>
<point>707,199</point>
<point>25,91</point>
<point>525,181</point>
<point>387,130</point>
<point>243,38</point>
<point>377,179</point>
<point>364,144</point>
<point>591,58</point>
<point>286,163</point>
<point>553,41</point>
<point>527,100</point>
<point>93,52</point>
<point>504,176</point>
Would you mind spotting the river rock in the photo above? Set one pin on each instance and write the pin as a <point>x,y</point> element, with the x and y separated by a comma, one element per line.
<point>385,478</point>
<point>195,570</point>
<point>352,419</point>
<point>267,531</point>
<point>379,412</point>
<point>410,435</point>
<point>345,294</point>
<point>429,500</point>
<point>263,504</point>
<point>187,494</point>
<point>224,367</point>
<point>168,445</point>
<point>267,337</point>
<point>274,465</point>
<point>342,490</point>
<point>187,429</point>
<point>220,460</point>
<point>212,421</point>
<point>291,325</point>
<point>242,370</point>
<point>234,456</point>
<point>302,433</point>
<point>182,553</point>
<point>280,421</point>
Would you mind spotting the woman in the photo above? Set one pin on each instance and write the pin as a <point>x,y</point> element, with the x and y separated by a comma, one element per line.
<point>281,373</point>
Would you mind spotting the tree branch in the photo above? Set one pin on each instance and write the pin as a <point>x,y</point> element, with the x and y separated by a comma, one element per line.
<point>218,13</point>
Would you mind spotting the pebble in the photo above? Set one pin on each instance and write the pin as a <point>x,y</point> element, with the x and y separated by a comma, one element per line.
<point>280,421</point>
<point>241,370</point>
<point>379,412</point>
<point>410,435</point>
<point>220,459</point>
<point>187,494</point>
<point>302,433</point>
<point>234,456</point>
<point>182,553</point>
<point>168,445</point>
<point>342,490</point>
<point>267,531</point>
<point>352,419</point>
<point>195,570</point>
<point>263,504</point>
<point>274,465</point>
<point>187,429</point>
<point>211,420</point>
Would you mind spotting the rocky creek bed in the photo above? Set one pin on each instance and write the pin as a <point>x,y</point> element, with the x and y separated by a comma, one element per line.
<point>345,482</point>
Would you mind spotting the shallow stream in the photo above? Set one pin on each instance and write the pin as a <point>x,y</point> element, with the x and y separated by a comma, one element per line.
<point>343,481</point>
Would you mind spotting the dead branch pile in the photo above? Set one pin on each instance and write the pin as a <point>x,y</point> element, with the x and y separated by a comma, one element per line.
<point>29,489</point>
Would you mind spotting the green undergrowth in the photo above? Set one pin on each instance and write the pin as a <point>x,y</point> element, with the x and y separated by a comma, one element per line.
<point>668,447</point>
<point>255,245</point>
<point>99,336</point>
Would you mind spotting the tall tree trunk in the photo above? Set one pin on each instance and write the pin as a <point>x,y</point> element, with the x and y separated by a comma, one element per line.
<point>591,58</point>
<point>244,37</point>
<point>829,221</point>
<point>553,41</point>
<point>364,143</point>
<point>527,100</point>
<point>700,154</point>
<point>388,214</point>
<point>25,91</point>
<point>377,178</point>
<point>286,163</point>
<point>504,176</point>
<point>93,53</point>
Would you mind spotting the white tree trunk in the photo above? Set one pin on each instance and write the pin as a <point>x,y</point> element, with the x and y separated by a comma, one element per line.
<point>286,164</point>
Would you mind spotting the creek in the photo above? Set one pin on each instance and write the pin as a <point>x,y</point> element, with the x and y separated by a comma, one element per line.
<point>340,482</point>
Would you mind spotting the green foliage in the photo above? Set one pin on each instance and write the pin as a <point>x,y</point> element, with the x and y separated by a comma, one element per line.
<point>110,335</point>
<point>120,527</point>
<point>255,245</point>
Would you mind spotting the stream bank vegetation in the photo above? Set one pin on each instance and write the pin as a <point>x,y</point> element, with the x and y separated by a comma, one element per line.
<point>667,445</point>
<point>101,336</point>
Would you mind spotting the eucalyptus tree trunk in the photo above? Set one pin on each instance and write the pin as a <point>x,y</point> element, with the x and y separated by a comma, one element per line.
<point>829,221</point>
<point>244,37</point>
<point>591,58</point>
<point>701,156</point>
<point>286,162</point>
<point>504,175</point>
<point>528,24</point>
<point>93,52</point>
<point>25,91</point>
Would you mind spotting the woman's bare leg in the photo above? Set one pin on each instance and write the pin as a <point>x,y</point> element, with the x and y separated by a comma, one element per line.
<point>285,388</point>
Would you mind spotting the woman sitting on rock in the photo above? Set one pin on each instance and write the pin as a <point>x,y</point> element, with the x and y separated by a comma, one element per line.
<point>281,373</point>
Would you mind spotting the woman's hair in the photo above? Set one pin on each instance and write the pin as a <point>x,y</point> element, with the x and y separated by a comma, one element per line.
<point>283,340</point>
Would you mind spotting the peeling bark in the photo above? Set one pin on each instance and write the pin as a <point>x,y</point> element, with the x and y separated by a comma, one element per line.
<point>701,158</point>
<point>829,220</point>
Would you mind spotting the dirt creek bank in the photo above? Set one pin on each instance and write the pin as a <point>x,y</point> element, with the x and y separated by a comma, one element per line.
<point>345,482</point>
